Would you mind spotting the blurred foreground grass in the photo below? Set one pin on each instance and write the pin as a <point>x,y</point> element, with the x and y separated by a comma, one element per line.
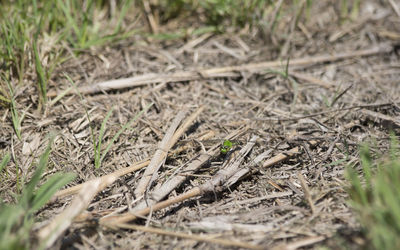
<point>375,196</point>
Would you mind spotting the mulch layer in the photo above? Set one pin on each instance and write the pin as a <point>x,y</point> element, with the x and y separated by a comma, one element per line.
<point>308,108</point>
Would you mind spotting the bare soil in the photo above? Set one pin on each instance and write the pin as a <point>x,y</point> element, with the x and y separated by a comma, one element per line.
<point>325,108</point>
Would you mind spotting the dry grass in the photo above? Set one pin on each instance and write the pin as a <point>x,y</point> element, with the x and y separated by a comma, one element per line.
<point>309,119</point>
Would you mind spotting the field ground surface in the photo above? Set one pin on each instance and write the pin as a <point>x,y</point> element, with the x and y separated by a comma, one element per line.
<point>296,104</point>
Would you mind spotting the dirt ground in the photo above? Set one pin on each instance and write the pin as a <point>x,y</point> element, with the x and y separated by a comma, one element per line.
<point>342,89</point>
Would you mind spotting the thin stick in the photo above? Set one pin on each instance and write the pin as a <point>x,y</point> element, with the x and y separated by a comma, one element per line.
<point>280,157</point>
<point>150,17</point>
<point>375,115</point>
<point>222,72</point>
<point>227,243</point>
<point>306,191</point>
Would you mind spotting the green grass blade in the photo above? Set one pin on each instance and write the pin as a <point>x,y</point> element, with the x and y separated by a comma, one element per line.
<point>366,163</point>
<point>125,7</point>
<point>60,96</point>
<point>42,81</point>
<point>127,125</point>
<point>10,218</point>
<point>5,161</point>
<point>27,194</point>
<point>70,22</point>
<point>47,190</point>
<point>16,120</point>
<point>98,156</point>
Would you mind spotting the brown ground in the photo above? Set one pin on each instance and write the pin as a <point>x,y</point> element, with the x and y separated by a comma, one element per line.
<point>325,108</point>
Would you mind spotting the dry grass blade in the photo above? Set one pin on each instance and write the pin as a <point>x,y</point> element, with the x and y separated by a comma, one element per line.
<point>223,71</point>
<point>226,243</point>
<point>61,222</point>
<point>159,156</point>
<point>75,189</point>
<point>383,48</point>
<point>395,7</point>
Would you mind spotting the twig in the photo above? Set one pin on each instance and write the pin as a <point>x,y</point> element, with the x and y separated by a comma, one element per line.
<point>306,192</point>
<point>227,243</point>
<point>380,116</point>
<point>280,157</point>
<point>312,80</point>
<point>193,43</point>
<point>150,16</point>
<point>221,72</point>
<point>383,48</point>
<point>340,95</point>
<point>373,105</point>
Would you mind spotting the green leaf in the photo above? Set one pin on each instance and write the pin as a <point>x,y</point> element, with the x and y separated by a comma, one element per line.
<point>226,146</point>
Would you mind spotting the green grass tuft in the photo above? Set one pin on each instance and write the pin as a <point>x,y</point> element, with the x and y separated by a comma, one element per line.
<point>375,196</point>
<point>99,153</point>
<point>16,220</point>
<point>15,117</point>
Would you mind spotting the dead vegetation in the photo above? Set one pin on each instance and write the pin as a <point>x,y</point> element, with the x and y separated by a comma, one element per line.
<point>300,114</point>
